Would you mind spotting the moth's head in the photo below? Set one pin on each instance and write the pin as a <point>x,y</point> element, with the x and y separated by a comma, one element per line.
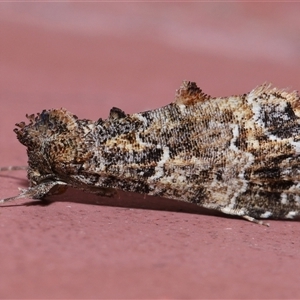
<point>53,141</point>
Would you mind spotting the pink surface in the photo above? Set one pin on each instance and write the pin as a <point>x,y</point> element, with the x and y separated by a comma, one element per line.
<point>88,57</point>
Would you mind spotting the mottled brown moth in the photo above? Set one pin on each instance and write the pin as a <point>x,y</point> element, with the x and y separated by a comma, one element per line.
<point>239,155</point>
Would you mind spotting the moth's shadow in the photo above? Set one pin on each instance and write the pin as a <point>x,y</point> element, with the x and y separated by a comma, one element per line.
<point>127,200</point>
<point>132,200</point>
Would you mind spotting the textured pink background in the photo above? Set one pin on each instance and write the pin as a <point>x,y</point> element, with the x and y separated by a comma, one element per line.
<point>88,57</point>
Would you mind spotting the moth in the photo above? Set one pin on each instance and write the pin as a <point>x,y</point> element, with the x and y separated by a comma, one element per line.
<point>239,155</point>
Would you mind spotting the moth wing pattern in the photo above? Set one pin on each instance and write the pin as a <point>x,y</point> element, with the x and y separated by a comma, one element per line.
<point>236,154</point>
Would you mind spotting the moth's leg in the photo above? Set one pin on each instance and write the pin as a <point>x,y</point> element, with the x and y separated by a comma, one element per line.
<point>40,191</point>
<point>99,191</point>
<point>256,221</point>
<point>106,192</point>
<point>241,213</point>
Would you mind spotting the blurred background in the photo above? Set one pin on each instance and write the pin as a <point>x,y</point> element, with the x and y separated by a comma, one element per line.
<point>88,57</point>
